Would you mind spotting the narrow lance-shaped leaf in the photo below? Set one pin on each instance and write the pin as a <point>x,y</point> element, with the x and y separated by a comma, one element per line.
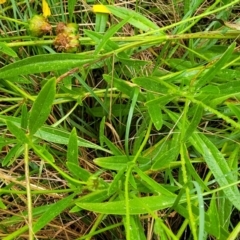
<point>170,154</point>
<point>17,132</point>
<point>155,113</point>
<point>52,212</point>
<point>214,216</point>
<point>194,122</point>
<point>72,152</point>
<point>55,135</point>
<point>72,158</point>
<point>143,205</point>
<point>24,118</point>
<point>42,106</point>
<point>101,22</point>
<point>7,50</point>
<point>45,63</point>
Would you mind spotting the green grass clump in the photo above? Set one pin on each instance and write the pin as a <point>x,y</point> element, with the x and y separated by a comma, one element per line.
<point>133,133</point>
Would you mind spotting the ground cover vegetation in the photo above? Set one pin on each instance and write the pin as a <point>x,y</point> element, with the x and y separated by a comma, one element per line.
<point>119,121</point>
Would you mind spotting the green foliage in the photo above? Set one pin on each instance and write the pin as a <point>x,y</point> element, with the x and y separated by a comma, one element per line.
<point>136,136</point>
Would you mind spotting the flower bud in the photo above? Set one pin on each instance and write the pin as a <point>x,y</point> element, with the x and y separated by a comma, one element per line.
<point>38,26</point>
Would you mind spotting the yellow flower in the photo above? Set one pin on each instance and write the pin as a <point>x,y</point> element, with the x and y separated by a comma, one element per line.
<point>2,1</point>
<point>45,8</point>
<point>100,9</point>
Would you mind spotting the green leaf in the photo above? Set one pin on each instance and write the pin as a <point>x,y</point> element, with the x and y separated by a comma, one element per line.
<point>140,206</point>
<point>71,4</point>
<point>24,117</point>
<point>43,153</point>
<point>7,50</point>
<point>96,196</point>
<point>216,67</point>
<point>214,217</point>
<point>12,154</point>
<point>130,62</point>
<point>17,132</point>
<point>113,147</point>
<point>137,20</point>
<point>235,109</point>
<point>182,210</point>
<point>120,162</point>
<point>101,22</point>
<point>72,158</point>
<point>226,210</point>
<point>2,205</point>
<point>198,111</point>
<point>61,136</point>
<point>42,106</point>
<point>101,131</point>
<point>153,185</point>
<point>114,186</point>
<point>96,37</point>
<point>45,63</point>
<point>218,166</point>
<point>155,85</point>
<point>123,86</point>
<point>135,228</point>
<point>168,153</point>
<point>54,135</point>
<point>110,32</point>
<point>72,152</point>
<point>78,172</point>
<point>155,113</point>
<point>52,212</point>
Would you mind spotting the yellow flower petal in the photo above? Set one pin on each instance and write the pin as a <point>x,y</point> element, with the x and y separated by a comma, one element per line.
<point>100,9</point>
<point>45,8</point>
<point>2,1</point>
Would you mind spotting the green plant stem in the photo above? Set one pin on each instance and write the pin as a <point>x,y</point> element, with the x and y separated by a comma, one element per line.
<point>20,91</point>
<point>33,192</point>
<point>188,197</point>
<point>140,40</point>
<point>13,20</point>
<point>216,112</point>
<point>235,233</point>
<point>16,234</point>
<point>29,195</point>
<point>9,109</point>
<point>182,228</point>
<point>198,16</point>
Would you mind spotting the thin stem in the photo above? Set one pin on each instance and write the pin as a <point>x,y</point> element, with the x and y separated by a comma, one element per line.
<point>29,195</point>
<point>139,40</point>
